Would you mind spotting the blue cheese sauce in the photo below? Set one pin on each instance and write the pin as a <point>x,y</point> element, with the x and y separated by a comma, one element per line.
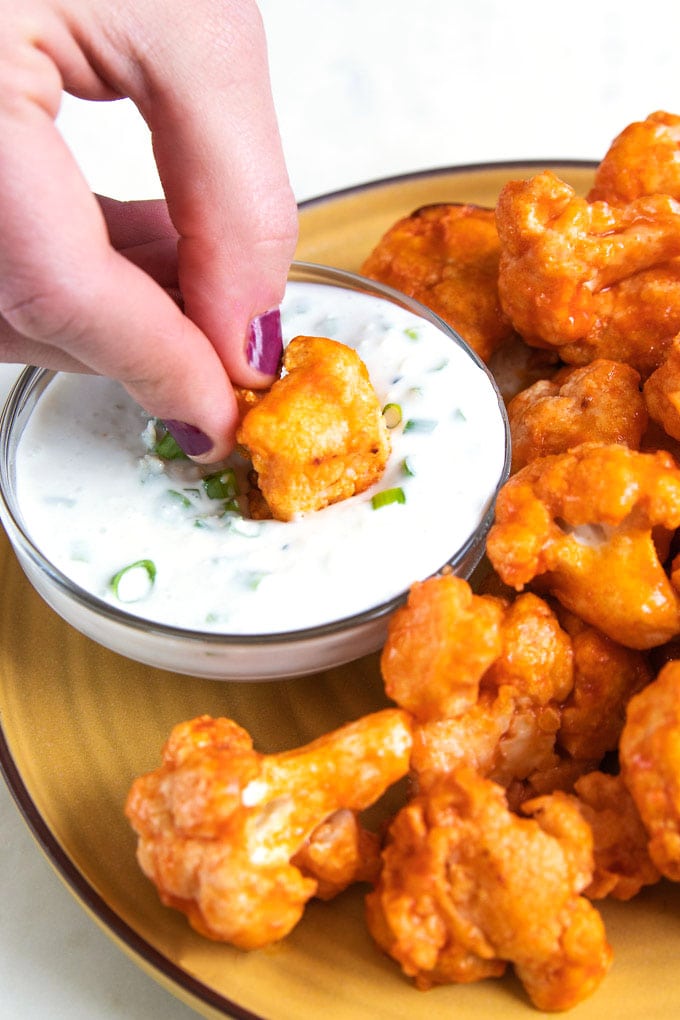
<point>170,541</point>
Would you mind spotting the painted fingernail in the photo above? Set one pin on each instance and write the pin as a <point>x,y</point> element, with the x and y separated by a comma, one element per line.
<point>265,342</point>
<point>188,437</point>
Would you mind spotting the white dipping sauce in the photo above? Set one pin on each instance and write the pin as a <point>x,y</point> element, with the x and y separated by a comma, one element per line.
<point>95,498</point>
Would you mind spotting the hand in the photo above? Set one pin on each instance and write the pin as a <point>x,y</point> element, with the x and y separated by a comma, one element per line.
<point>84,284</point>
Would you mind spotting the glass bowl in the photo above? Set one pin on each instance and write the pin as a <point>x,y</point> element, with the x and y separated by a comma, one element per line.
<point>276,652</point>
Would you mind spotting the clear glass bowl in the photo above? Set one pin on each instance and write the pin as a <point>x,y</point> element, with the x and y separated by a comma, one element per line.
<point>220,656</point>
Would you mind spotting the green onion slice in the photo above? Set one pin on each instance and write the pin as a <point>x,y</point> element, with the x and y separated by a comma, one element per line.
<point>387,496</point>
<point>407,467</point>
<point>168,448</point>
<point>221,485</point>
<point>180,497</point>
<point>412,332</point>
<point>134,582</point>
<point>392,415</point>
<point>420,425</point>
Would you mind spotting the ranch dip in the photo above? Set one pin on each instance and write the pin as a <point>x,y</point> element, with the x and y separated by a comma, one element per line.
<point>170,541</point>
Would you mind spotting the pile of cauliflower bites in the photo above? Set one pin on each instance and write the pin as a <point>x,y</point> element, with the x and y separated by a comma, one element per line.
<point>538,717</point>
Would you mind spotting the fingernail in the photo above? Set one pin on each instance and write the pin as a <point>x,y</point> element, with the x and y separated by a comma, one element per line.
<point>265,342</point>
<point>192,440</point>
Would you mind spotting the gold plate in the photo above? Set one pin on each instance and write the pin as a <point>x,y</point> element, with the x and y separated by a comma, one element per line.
<point>79,723</point>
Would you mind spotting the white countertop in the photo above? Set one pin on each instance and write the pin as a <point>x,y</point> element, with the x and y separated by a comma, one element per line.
<point>363,90</point>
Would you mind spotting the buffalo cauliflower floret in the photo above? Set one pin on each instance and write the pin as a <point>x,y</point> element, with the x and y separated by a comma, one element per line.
<point>644,159</point>
<point>600,402</point>
<point>622,865</point>
<point>649,752</point>
<point>318,435</point>
<point>591,280</point>
<point>220,825</point>
<point>584,524</point>
<point>662,392</point>
<point>606,676</point>
<point>544,706</point>
<point>439,646</point>
<point>446,256</point>
<point>468,887</point>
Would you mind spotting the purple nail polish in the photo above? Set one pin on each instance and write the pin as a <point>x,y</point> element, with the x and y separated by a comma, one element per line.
<point>265,342</point>
<point>192,440</point>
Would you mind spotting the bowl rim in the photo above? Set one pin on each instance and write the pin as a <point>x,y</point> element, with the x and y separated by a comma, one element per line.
<point>32,379</point>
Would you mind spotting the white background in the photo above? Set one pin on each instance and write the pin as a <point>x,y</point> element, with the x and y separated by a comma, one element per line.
<point>364,89</point>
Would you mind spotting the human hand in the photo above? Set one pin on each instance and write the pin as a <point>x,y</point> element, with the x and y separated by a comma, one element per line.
<point>85,285</point>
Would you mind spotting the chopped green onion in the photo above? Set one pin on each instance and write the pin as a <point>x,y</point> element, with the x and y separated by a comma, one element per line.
<point>388,496</point>
<point>245,527</point>
<point>392,415</point>
<point>180,498</point>
<point>168,448</point>
<point>221,485</point>
<point>125,584</point>
<point>253,578</point>
<point>458,415</point>
<point>231,506</point>
<point>420,425</point>
<point>413,333</point>
<point>440,365</point>
<point>407,467</point>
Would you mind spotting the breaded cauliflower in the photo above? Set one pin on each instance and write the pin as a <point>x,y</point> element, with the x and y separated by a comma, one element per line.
<point>220,825</point>
<point>622,865</point>
<point>446,256</point>
<point>544,706</point>
<point>439,646</point>
<point>644,159</point>
<point>584,524</point>
<point>662,391</point>
<point>600,402</point>
<point>606,676</point>
<point>591,280</point>
<point>467,887</point>
<point>318,435</point>
<point>649,752</point>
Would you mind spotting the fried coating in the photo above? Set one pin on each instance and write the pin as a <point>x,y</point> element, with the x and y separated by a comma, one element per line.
<point>649,753</point>
<point>600,402</point>
<point>661,392</point>
<point>220,824</point>
<point>644,159</point>
<point>467,887</point>
<point>446,256</point>
<point>620,842</point>
<point>589,279</point>
<point>583,525</point>
<point>318,435</point>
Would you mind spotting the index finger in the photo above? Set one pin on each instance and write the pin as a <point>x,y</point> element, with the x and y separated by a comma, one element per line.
<point>205,93</point>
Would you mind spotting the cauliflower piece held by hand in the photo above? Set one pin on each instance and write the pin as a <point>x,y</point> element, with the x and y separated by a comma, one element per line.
<point>585,526</point>
<point>318,435</point>
<point>467,887</point>
<point>221,826</point>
